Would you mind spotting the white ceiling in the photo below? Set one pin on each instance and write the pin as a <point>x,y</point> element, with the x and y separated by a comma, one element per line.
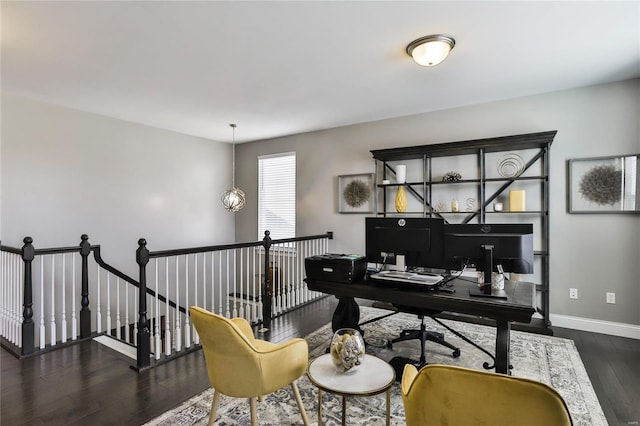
<point>281,68</point>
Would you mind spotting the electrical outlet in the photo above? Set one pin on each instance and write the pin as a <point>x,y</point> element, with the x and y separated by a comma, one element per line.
<point>573,293</point>
<point>611,298</point>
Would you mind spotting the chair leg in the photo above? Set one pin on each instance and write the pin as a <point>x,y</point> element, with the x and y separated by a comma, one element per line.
<point>214,407</point>
<point>296,392</point>
<point>253,409</point>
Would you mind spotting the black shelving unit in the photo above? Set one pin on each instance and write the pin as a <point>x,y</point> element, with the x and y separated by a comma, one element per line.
<point>486,187</point>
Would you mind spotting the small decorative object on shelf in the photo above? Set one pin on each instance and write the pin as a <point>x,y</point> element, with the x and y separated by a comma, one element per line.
<point>441,207</point>
<point>347,349</point>
<point>471,204</point>
<point>517,200</point>
<point>451,177</point>
<point>455,207</point>
<point>401,173</point>
<point>510,165</point>
<point>497,207</point>
<point>401,200</point>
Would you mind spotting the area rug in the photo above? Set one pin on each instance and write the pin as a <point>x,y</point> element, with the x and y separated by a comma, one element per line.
<point>551,360</point>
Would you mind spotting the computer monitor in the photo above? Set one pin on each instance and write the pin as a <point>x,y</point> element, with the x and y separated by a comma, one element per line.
<point>490,248</point>
<point>405,242</point>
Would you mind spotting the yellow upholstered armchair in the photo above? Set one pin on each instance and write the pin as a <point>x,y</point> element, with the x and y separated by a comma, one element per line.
<point>239,365</point>
<point>446,395</point>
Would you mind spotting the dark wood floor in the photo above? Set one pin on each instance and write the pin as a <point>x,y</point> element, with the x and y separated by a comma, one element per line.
<point>90,384</point>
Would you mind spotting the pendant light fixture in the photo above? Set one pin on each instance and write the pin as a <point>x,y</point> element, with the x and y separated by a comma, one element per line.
<point>233,199</point>
<point>430,50</point>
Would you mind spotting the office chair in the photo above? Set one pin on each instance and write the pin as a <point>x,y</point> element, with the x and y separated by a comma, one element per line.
<point>442,394</point>
<point>422,334</point>
<point>241,366</point>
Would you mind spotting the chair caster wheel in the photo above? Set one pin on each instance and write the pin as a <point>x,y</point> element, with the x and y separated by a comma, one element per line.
<point>456,353</point>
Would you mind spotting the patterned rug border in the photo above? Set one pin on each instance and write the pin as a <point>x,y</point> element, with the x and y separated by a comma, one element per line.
<point>570,382</point>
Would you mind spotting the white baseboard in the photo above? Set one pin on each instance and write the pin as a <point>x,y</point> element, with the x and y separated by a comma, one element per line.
<point>596,326</point>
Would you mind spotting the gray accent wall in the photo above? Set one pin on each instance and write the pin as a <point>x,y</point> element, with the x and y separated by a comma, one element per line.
<point>65,173</point>
<point>596,253</point>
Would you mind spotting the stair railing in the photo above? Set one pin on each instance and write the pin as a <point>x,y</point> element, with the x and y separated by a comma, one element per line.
<point>257,281</point>
<point>42,308</point>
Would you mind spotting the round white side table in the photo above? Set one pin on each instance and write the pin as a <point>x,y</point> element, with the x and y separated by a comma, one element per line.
<point>372,377</point>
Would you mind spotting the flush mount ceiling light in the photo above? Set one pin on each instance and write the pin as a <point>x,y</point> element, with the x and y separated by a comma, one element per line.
<point>430,50</point>
<point>233,199</point>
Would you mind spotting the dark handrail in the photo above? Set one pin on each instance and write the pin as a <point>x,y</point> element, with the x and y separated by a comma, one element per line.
<point>178,252</point>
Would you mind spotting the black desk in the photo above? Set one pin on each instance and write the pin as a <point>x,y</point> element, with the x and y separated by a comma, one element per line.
<point>518,307</point>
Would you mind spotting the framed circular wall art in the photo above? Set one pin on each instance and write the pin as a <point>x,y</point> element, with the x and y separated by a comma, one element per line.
<point>356,193</point>
<point>604,184</point>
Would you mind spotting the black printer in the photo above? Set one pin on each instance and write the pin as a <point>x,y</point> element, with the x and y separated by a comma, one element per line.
<point>339,268</point>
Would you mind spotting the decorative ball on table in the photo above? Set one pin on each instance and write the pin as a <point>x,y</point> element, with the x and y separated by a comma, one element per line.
<point>347,349</point>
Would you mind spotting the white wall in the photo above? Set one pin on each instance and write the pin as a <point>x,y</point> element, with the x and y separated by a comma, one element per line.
<point>595,253</point>
<point>66,172</point>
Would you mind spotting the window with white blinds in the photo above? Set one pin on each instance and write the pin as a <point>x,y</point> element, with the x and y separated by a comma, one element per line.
<point>277,195</point>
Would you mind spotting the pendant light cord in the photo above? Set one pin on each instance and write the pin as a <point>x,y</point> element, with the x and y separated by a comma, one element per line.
<point>233,160</point>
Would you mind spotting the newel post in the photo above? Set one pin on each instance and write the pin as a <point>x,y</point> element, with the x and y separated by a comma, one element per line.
<point>28,327</point>
<point>144,339</point>
<point>266,290</point>
<point>85,312</point>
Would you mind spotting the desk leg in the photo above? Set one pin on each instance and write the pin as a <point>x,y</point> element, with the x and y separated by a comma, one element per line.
<point>319,407</point>
<point>389,407</point>
<point>346,315</point>
<point>344,410</point>
<point>502,346</point>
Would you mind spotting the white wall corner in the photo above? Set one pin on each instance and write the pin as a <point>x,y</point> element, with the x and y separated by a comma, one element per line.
<point>596,326</point>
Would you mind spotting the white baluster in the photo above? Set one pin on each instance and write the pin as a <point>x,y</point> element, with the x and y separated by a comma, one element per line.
<point>196,338</point>
<point>42,325</point>
<point>4,283</point>
<point>241,293</point>
<point>135,323</point>
<point>19,300</point>
<point>52,323</point>
<point>118,322</point>
<point>98,313</point>
<point>228,312</point>
<point>63,337</point>
<point>235,291</point>
<point>204,280</point>
<point>219,282</point>
<point>167,325</point>
<point>187,324</point>
<point>213,285</point>
<point>156,329</point>
<point>74,319</point>
<point>177,318</point>
<point>126,314</point>
<point>108,304</point>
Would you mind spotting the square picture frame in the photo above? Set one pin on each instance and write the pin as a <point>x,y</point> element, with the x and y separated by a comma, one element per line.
<point>356,193</point>
<point>604,184</point>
